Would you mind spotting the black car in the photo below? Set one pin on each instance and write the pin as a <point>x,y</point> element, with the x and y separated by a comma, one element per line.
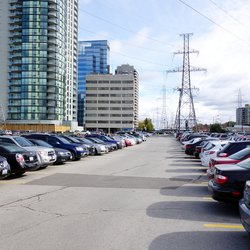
<point>233,147</point>
<point>190,147</point>
<point>56,141</point>
<point>62,155</point>
<point>245,208</point>
<point>20,159</point>
<point>229,181</point>
<point>4,168</point>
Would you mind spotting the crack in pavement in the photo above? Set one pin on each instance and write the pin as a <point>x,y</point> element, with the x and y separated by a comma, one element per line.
<point>31,197</point>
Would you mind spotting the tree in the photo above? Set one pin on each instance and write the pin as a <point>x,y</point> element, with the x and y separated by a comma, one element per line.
<point>146,125</point>
<point>216,128</point>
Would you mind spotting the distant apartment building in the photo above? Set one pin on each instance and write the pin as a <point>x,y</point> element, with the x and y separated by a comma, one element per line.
<point>243,115</point>
<point>93,58</point>
<point>112,100</point>
<point>38,66</point>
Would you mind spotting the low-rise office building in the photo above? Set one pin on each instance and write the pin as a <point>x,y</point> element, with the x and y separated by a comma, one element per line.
<point>112,100</point>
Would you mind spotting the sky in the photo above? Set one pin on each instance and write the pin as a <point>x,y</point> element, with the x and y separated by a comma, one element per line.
<point>146,33</point>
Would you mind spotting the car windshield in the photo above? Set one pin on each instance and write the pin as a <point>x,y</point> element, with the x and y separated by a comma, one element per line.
<point>61,139</point>
<point>42,143</point>
<point>245,164</point>
<point>73,139</point>
<point>23,142</point>
<point>11,148</point>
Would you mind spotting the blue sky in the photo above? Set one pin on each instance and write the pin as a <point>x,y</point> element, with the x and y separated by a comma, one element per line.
<point>146,33</point>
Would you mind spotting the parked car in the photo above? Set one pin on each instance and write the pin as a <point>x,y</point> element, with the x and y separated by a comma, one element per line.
<point>62,155</point>
<point>110,146</point>
<point>59,142</point>
<point>4,168</point>
<point>232,147</point>
<point>89,149</point>
<point>20,159</point>
<point>46,156</point>
<point>202,144</point>
<point>210,151</point>
<point>231,159</point>
<point>190,148</point>
<point>99,149</point>
<point>244,206</point>
<point>229,180</point>
<point>106,139</point>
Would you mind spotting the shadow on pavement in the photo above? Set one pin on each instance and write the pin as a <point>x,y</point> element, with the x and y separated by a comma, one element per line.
<point>215,240</point>
<point>195,211</point>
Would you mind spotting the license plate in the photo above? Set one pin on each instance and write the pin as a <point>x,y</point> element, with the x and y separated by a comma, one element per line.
<point>5,171</point>
<point>31,158</point>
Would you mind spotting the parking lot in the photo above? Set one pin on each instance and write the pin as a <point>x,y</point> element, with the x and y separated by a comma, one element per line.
<point>149,196</point>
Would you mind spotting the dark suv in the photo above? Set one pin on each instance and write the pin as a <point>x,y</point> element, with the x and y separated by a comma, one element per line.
<point>56,141</point>
<point>233,147</point>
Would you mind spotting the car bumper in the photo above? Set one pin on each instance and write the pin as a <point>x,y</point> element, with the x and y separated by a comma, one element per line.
<point>244,215</point>
<point>4,173</point>
<point>32,166</point>
<point>220,193</point>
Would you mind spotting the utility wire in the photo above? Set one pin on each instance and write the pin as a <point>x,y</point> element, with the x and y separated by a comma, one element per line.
<point>128,30</point>
<point>212,21</point>
<point>130,44</point>
<point>226,12</point>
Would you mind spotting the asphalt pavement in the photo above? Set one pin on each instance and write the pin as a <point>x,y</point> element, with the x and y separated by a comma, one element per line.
<point>149,196</point>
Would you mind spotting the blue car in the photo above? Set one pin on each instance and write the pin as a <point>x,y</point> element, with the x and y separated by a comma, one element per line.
<point>59,142</point>
<point>245,208</point>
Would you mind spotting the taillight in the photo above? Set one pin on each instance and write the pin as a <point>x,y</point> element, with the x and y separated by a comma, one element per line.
<point>211,152</point>
<point>20,159</point>
<point>188,146</point>
<point>220,179</point>
<point>223,154</point>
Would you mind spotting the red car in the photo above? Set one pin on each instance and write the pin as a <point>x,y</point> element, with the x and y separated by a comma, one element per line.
<point>232,159</point>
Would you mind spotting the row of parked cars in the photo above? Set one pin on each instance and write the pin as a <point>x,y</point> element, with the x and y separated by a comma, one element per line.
<point>33,151</point>
<point>227,162</point>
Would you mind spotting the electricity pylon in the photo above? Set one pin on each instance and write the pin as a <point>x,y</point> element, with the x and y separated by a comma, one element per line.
<point>185,115</point>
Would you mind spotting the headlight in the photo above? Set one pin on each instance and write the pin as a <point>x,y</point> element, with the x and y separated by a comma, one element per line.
<point>40,152</point>
<point>61,153</point>
<point>102,147</point>
<point>79,148</point>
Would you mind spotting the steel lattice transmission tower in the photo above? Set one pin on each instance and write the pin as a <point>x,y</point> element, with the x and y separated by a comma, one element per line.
<point>185,115</point>
<point>164,121</point>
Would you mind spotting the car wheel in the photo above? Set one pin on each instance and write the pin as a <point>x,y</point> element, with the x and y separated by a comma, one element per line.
<point>74,157</point>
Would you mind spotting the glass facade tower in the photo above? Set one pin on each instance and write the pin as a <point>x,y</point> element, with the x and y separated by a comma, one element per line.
<point>42,85</point>
<point>93,58</point>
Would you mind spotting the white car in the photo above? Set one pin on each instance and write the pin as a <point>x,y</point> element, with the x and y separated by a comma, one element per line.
<point>194,140</point>
<point>210,151</point>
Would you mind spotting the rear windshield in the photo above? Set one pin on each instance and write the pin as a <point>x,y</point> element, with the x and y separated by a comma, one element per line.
<point>23,142</point>
<point>240,154</point>
<point>245,164</point>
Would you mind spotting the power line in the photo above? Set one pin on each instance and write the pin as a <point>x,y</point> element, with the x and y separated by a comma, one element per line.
<point>212,21</point>
<point>137,58</point>
<point>128,30</point>
<point>226,12</point>
<point>129,44</point>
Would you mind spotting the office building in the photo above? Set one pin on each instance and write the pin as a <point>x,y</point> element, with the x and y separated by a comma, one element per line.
<point>93,58</point>
<point>243,115</point>
<point>112,100</point>
<point>39,64</point>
